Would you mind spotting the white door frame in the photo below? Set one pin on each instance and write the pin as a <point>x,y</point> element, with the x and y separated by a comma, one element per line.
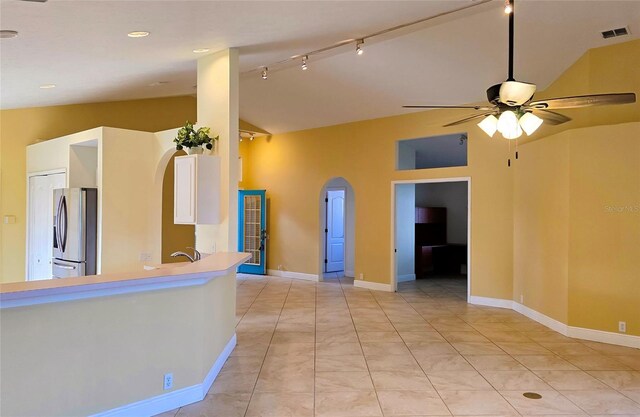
<point>29,176</point>
<point>344,227</point>
<point>394,272</point>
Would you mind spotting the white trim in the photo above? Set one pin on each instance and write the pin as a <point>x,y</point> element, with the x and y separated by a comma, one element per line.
<point>376,286</point>
<point>293,275</point>
<point>28,220</point>
<point>394,278</point>
<point>553,324</point>
<point>175,399</point>
<point>350,274</point>
<point>490,302</point>
<point>543,319</point>
<point>406,277</point>
<point>604,337</point>
<point>80,292</point>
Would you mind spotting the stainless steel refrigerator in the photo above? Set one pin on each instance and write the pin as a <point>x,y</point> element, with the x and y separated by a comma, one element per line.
<point>75,212</point>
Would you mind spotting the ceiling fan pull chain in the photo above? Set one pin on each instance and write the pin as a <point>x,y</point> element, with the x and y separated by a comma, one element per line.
<point>516,148</point>
<point>509,154</point>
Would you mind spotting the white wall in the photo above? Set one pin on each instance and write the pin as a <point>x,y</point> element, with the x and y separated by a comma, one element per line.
<point>350,213</point>
<point>405,231</point>
<point>453,196</point>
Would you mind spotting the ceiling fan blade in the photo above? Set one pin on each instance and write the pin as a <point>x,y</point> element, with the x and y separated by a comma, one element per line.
<point>550,117</point>
<point>467,119</point>
<point>484,108</point>
<point>583,101</point>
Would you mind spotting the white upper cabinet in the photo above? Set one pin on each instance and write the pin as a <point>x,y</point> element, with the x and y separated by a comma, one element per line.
<point>196,190</point>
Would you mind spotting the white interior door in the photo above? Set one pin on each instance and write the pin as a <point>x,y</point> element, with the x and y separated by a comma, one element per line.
<point>40,221</point>
<point>335,230</point>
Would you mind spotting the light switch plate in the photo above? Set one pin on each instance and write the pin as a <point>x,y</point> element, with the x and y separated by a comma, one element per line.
<point>10,219</point>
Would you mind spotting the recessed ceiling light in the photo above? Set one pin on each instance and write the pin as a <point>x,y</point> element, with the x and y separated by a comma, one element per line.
<point>47,86</point>
<point>157,83</point>
<point>138,34</point>
<point>200,50</point>
<point>8,34</point>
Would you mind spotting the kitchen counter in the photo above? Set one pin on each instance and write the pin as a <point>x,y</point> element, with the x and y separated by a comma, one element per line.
<point>104,345</point>
<point>17,294</point>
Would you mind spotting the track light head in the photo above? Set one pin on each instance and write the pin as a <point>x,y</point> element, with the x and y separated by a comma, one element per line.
<point>359,46</point>
<point>304,62</point>
<point>508,7</point>
<point>265,74</point>
<point>251,137</point>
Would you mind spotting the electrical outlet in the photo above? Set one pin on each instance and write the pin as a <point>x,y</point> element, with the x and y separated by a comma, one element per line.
<point>145,257</point>
<point>622,326</point>
<point>168,381</point>
<point>279,267</point>
<point>361,276</point>
<point>521,298</point>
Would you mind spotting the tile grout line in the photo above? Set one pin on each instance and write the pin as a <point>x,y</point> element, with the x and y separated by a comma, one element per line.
<point>269,346</point>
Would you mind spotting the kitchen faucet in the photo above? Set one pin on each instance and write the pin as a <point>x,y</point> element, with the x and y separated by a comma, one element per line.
<point>196,255</point>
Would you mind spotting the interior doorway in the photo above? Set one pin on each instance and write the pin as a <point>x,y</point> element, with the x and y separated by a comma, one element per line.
<point>334,232</point>
<point>337,229</point>
<point>431,233</point>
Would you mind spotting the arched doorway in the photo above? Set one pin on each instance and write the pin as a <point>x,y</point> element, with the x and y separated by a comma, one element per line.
<point>337,229</point>
<point>175,237</point>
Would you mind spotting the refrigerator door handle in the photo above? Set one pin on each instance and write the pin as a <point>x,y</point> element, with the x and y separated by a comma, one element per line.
<point>61,266</point>
<point>63,237</point>
<point>57,225</point>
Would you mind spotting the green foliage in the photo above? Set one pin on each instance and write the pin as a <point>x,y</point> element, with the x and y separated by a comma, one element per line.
<point>188,137</point>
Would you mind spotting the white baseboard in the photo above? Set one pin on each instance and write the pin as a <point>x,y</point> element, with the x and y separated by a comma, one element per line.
<point>349,274</point>
<point>490,302</point>
<point>174,399</point>
<point>294,275</point>
<point>604,337</point>
<point>558,326</point>
<point>545,320</point>
<point>406,277</point>
<point>372,285</point>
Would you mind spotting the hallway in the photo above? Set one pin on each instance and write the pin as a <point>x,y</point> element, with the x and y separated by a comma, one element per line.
<point>329,349</point>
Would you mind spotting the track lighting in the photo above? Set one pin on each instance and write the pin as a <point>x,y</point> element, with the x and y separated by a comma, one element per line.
<point>359,45</point>
<point>508,7</point>
<point>251,137</point>
<point>304,62</point>
<point>264,73</point>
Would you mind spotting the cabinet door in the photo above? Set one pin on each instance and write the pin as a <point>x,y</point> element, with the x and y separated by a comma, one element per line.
<point>184,205</point>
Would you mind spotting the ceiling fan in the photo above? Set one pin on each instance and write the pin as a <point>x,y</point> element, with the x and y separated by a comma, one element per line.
<point>512,110</point>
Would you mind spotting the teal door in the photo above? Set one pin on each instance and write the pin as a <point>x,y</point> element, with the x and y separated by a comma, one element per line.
<point>252,230</point>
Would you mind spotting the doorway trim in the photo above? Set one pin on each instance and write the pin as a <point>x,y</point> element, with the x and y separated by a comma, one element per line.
<point>393,271</point>
<point>26,216</point>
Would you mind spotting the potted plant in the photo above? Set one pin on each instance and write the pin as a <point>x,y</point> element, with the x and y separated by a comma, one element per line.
<point>193,140</point>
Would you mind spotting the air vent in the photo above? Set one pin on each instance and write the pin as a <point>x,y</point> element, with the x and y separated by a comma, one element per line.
<point>614,33</point>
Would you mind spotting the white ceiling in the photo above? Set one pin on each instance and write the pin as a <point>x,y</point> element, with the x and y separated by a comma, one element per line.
<point>82,47</point>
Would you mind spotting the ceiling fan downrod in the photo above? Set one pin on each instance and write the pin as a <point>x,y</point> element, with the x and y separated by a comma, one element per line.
<point>511,37</point>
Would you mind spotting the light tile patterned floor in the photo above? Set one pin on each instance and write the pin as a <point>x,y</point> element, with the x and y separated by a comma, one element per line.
<point>329,349</point>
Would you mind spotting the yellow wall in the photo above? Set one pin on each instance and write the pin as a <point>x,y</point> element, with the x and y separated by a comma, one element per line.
<point>604,228</point>
<point>577,227</point>
<point>81,357</point>
<point>294,167</point>
<point>541,235</point>
<point>174,236</point>
<point>21,127</point>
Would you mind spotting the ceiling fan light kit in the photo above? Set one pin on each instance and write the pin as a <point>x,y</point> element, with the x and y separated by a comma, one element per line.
<point>513,110</point>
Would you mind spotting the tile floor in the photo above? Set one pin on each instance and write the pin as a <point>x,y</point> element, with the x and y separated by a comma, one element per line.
<point>329,349</point>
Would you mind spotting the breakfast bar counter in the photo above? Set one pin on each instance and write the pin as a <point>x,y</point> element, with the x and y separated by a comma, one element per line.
<point>123,344</point>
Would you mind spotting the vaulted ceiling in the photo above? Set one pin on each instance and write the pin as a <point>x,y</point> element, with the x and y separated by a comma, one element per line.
<point>82,47</point>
